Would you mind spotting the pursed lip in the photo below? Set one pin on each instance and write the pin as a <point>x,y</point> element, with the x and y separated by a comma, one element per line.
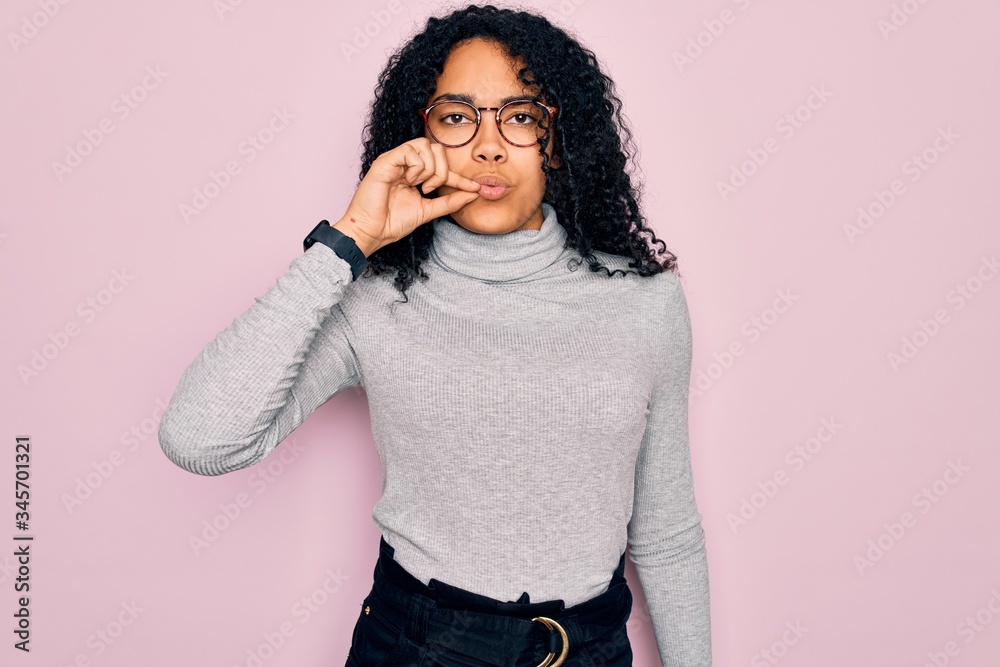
<point>492,180</point>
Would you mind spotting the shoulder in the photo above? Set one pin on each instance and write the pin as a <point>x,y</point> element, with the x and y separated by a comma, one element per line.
<point>661,290</point>
<point>367,292</point>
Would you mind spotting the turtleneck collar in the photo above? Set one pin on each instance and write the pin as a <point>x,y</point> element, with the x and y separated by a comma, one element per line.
<point>498,257</point>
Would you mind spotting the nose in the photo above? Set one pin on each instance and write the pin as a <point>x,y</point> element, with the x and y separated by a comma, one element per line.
<point>488,144</point>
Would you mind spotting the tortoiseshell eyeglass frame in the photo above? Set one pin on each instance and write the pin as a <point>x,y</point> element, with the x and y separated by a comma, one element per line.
<point>425,112</point>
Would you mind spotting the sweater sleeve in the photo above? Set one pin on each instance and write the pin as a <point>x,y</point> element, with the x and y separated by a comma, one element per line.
<point>666,539</point>
<point>260,378</point>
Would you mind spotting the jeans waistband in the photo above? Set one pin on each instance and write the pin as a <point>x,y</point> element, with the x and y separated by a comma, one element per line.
<point>477,624</point>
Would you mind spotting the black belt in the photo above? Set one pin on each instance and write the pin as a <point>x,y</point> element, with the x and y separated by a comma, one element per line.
<point>474,624</point>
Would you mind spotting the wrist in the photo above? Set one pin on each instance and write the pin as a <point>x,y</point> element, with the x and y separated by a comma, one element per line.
<point>365,243</point>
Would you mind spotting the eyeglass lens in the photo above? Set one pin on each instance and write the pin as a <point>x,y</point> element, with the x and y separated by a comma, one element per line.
<point>454,123</point>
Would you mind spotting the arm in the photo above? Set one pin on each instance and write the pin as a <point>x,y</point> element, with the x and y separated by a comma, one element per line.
<point>666,540</point>
<point>266,372</point>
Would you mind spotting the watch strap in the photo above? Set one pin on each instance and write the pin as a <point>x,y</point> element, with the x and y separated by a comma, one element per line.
<point>340,243</point>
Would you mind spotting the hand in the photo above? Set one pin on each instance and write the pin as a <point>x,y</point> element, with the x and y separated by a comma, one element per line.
<point>387,206</point>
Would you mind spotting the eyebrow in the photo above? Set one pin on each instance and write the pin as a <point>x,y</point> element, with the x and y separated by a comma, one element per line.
<point>468,98</point>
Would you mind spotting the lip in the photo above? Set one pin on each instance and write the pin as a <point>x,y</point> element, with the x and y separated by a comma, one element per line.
<point>494,187</point>
<point>492,179</point>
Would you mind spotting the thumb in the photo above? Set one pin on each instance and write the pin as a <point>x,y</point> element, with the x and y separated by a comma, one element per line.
<point>440,206</point>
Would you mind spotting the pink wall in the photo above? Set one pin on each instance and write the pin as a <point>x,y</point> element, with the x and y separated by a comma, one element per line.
<point>856,419</point>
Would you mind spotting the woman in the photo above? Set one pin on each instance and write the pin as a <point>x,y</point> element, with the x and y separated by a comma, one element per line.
<point>531,417</point>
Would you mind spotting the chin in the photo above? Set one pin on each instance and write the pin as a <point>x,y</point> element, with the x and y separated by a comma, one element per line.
<point>485,219</point>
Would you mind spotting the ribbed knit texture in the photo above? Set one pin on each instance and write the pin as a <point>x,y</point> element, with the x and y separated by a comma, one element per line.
<point>531,419</point>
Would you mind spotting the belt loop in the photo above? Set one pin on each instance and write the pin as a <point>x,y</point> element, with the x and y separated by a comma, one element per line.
<point>416,620</point>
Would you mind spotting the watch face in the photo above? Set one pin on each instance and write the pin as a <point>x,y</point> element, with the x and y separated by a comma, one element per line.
<point>311,237</point>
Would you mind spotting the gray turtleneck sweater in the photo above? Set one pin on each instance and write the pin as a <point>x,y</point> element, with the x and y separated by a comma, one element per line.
<point>531,419</point>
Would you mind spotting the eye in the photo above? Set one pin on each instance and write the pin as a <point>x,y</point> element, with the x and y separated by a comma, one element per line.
<point>522,114</point>
<point>453,114</point>
<point>526,119</point>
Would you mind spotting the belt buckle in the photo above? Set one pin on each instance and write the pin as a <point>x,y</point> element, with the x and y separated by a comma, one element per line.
<point>561,658</point>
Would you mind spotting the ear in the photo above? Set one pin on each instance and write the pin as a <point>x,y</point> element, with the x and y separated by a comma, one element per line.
<point>555,162</point>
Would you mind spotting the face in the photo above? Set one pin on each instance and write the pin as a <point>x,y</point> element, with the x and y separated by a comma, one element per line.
<point>480,69</point>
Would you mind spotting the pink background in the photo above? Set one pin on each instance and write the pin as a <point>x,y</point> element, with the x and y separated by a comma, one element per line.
<point>824,353</point>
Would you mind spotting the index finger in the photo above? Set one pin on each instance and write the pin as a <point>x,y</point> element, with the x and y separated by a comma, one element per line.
<point>456,180</point>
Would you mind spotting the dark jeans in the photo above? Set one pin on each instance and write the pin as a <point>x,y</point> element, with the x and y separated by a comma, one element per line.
<point>406,623</point>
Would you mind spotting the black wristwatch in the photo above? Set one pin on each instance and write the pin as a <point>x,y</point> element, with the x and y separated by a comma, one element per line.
<point>340,243</point>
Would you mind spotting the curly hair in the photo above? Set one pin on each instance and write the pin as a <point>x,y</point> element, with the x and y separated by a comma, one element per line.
<point>592,194</point>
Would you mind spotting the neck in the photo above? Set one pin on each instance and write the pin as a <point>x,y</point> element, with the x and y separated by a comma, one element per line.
<point>499,257</point>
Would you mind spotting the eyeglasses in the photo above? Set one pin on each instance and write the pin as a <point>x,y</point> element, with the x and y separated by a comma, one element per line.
<point>521,122</point>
